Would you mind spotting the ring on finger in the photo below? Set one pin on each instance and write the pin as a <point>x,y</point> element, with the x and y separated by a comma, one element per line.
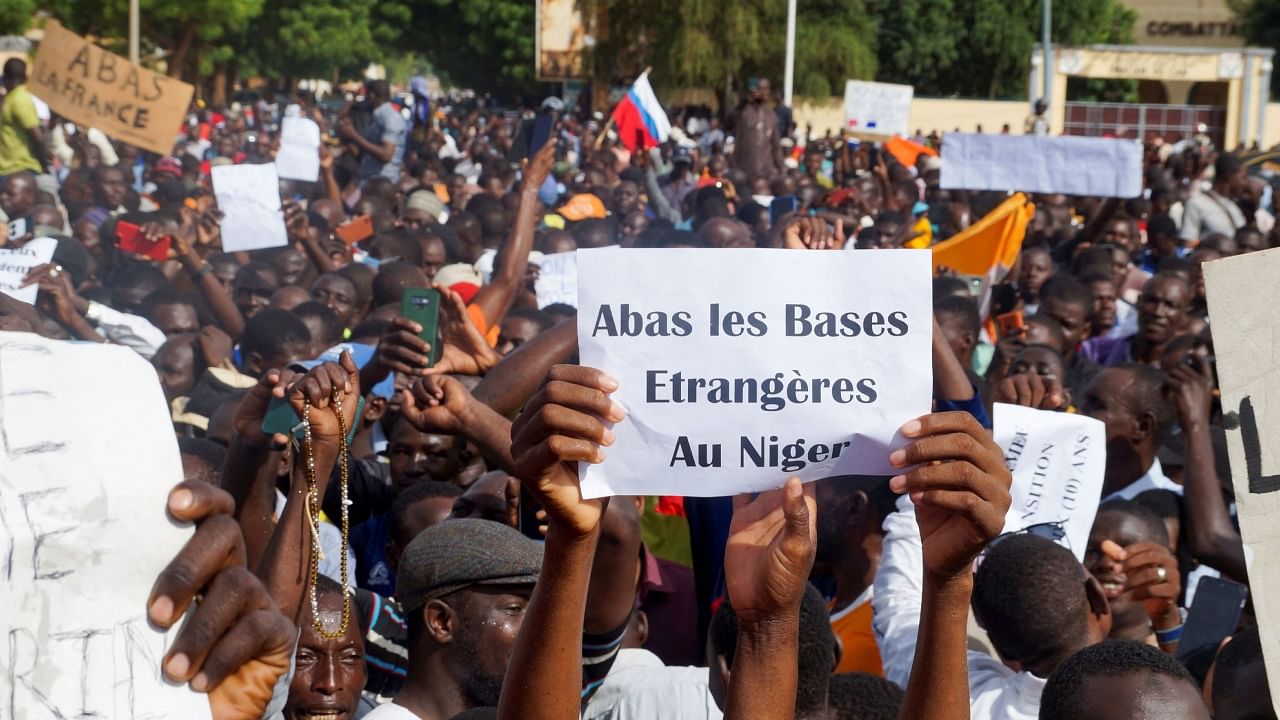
<point>1161,573</point>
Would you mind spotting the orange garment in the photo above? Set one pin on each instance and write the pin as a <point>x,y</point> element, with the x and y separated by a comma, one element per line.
<point>853,626</point>
<point>477,317</point>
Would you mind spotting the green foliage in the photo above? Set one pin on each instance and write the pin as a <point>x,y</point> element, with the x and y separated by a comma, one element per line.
<point>487,45</point>
<point>318,38</point>
<point>15,16</point>
<point>1261,20</point>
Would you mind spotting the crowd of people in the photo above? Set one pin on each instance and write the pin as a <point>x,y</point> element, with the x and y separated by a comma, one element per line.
<point>421,549</point>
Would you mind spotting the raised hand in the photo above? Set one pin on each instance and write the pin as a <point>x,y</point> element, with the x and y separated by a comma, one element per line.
<point>1192,384</point>
<point>320,387</point>
<point>1031,390</point>
<point>535,171</point>
<point>772,541</point>
<point>235,645</point>
<point>803,232</point>
<point>253,407</point>
<point>1151,577</point>
<point>564,424</point>
<point>437,404</point>
<point>465,351</point>
<point>959,484</point>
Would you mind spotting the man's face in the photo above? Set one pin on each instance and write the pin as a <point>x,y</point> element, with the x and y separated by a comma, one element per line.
<point>626,197</point>
<point>1119,233</point>
<point>1104,306</point>
<point>338,293</point>
<point>249,300</point>
<point>330,674</point>
<point>489,619</point>
<point>17,196</point>
<point>1036,269</point>
<point>433,256</point>
<point>111,187</point>
<point>291,264</point>
<point>1162,309</point>
<point>415,219</point>
<point>514,332</point>
<point>1119,265</point>
<point>175,364</point>
<point>1073,317</point>
<point>1108,399</point>
<point>175,319</point>
<point>416,456</point>
<point>1124,530</point>
<point>1038,361</point>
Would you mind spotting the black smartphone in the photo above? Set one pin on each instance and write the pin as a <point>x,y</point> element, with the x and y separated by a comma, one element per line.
<point>780,207</point>
<point>1214,614</point>
<point>422,305</point>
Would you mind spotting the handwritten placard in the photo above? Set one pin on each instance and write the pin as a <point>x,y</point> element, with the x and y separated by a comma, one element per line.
<point>873,108</point>
<point>15,263</point>
<point>249,198</point>
<point>87,457</point>
<point>557,280</point>
<point>741,368</point>
<point>1057,461</point>
<point>299,154</point>
<point>93,87</point>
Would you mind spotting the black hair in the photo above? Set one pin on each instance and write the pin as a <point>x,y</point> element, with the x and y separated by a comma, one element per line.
<point>1175,266</point>
<point>1232,677</point>
<point>1051,324</point>
<point>329,322</point>
<point>1162,225</point>
<point>262,270</point>
<point>361,277</point>
<point>950,285</point>
<point>668,238</point>
<point>1029,595</point>
<point>138,274</point>
<point>270,330</point>
<point>1225,165</point>
<point>595,232</point>
<point>208,452</point>
<point>1157,531</point>
<point>862,696</point>
<point>817,648</point>
<point>371,328</point>
<point>15,70</point>
<point>400,244</point>
<point>1164,503</point>
<point>1066,289</point>
<point>556,310</point>
<point>413,495</point>
<point>964,310</point>
<point>1065,692</point>
<point>393,278</point>
<point>480,713</point>
<point>875,487</point>
<point>445,235</point>
<point>541,318</point>
<point>1092,277</point>
<point>1147,394</point>
<point>165,296</point>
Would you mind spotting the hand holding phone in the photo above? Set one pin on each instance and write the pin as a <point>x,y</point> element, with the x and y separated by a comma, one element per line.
<point>132,239</point>
<point>422,305</point>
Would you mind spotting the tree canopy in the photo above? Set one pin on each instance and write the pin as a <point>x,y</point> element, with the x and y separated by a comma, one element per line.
<point>1261,21</point>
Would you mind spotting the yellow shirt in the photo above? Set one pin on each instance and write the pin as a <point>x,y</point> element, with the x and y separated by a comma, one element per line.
<point>17,118</point>
<point>853,626</point>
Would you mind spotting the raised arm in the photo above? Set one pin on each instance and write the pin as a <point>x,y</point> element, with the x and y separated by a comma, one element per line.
<point>249,472</point>
<point>949,379</point>
<point>215,295</point>
<point>1212,537</point>
<point>495,298</point>
<point>295,221</point>
<point>564,424</point>
<point>441,404</point>
<point>772,541</point>
<point>516,378</point>
<point>956,476</point>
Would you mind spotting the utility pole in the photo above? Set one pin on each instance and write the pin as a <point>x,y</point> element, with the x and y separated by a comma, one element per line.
<point>788,83</point>
<point>133,31</point>
<point>1046,22</point>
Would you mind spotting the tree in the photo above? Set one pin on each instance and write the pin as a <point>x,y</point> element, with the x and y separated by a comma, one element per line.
<point>1261,21</point>
<point>15,16</point>
<point>321,38</point>
<point>486,45</point>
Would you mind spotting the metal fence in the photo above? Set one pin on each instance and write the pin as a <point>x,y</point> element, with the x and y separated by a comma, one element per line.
<point>1145,121</point>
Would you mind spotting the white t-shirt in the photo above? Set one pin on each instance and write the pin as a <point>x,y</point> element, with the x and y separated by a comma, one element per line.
<point>391,711</point>
<point>639,687</point>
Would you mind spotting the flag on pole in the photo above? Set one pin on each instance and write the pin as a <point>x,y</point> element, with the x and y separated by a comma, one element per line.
<point>988,248</point>
<point>639,116</point>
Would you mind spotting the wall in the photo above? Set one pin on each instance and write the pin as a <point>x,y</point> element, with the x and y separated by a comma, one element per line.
<point>927,114</point>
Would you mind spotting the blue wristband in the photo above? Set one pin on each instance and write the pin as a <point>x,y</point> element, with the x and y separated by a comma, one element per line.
<point>1170,636</point>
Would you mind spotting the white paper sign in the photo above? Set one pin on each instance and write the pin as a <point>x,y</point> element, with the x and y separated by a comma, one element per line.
<point>1037,163</point>
<point>557,280</point>
<point>741,368</point>
<point>1243,297</point>
<point>1058,461</point>
<point>249,198</point>
<point>299,154</point>
<point>877,108</point>
<point>15,263</point>
<point>87,460</point>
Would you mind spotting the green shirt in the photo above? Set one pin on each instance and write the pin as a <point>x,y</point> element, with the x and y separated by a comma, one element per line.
<point>17,119</point>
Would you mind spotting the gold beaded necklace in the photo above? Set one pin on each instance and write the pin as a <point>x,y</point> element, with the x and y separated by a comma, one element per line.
<point>313,517</point>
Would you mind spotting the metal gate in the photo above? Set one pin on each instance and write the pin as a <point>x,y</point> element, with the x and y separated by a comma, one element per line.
<point>1145,121</point>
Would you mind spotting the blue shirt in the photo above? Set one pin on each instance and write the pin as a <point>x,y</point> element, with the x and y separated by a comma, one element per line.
<point>387,126</point>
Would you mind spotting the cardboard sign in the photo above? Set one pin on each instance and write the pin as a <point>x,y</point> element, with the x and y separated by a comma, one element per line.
<point>15,263</point>
<point>1040,164</point>
<point>872,108</point>
<point>1243,297</point>
<point>557,280</point>
<point>741,368</point>
<point>1057,460</point>
<point>299,154</point>
<point>84,83</point>
<point>249,198</point>
<point>86,463</point>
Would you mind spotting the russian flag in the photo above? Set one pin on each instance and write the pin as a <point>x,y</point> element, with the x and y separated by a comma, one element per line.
<point>640,114</point>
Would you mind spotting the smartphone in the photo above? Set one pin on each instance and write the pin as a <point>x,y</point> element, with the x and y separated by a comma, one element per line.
<point>1010,324</point>
<point>1214,614</point>
<point>281,418</point>
<point>130,239</point>
<point>359,228</point>
<point>780,207</point>
<point>422,305</point>
<point>17,228</point>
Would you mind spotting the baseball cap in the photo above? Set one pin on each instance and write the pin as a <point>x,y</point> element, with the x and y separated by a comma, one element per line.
<point>581,207</point>
<point>456,554</point>
<point>168,166</point>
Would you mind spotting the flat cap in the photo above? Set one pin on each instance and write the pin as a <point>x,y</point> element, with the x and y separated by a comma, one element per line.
<point>456,554</point>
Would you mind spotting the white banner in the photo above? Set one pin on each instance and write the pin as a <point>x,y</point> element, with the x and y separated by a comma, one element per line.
<point>741,368</point>
<point>1058,461</point>
<point>557,280</point>
<point>88,460</point>
<point>15,263</point>
<point>877,108</point>
<point>1242,290</point>
<point>249,198</point>
<point>299,154</point>
<point>1035,163</point>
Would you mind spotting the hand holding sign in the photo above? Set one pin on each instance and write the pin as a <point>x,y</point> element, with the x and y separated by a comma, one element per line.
<point>565,424</point>
<point>960,488</point>
<point>236,645</point>
<point>772,542</point>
